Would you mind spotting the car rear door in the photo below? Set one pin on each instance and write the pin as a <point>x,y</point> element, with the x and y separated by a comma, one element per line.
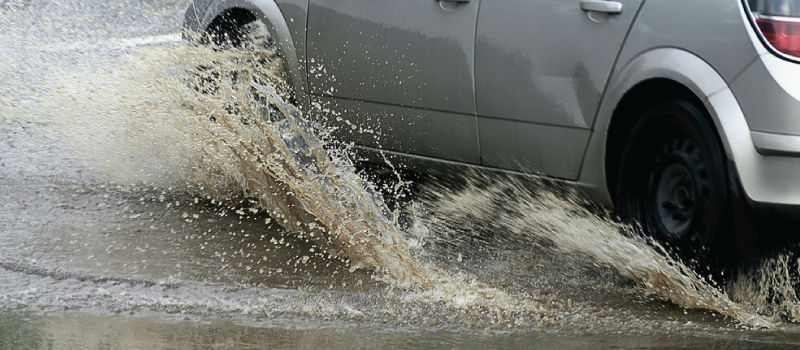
<point>541,69</point>
<point>401,68</point>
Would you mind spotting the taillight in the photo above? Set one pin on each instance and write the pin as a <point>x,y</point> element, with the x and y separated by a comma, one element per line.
<point>778,22</point>
<point>782,34</point>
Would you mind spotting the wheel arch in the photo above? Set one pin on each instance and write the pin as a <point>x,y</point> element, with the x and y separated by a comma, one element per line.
<point>647,79</point>
<point>230,14</point>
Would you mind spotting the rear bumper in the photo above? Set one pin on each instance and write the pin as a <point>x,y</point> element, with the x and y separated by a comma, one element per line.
<point>772,144</point>
<point>767,158</point>
<point>781,155</point>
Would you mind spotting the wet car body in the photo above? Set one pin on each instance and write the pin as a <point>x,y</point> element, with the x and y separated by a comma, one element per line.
<point>559,88</point>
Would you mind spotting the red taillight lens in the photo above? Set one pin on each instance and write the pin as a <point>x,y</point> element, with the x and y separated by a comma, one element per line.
<point>783,35</point>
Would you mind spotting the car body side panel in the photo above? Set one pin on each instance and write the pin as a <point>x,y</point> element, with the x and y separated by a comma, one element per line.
<point>533,148</point>
<point>417,53</point>
<point>406,65</point>
<point>713,30</point>
<point>286,20</point>
<point>546,61</point>
<point>541,67</point>
<point>429,133</point>
<point>769,91</point>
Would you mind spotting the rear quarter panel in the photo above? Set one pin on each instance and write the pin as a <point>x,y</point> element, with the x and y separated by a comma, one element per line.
<point>703,45</point>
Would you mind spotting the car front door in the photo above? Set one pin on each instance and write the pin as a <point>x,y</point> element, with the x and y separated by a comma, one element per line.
<point>401,72</point>
<point>541,69</point>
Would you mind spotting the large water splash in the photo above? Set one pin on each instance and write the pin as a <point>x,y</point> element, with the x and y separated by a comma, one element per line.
<point>266,145</point>
<point>558,218</point>
<point>141,113</point>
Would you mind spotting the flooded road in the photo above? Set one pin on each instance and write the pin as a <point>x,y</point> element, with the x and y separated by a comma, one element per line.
<point>125,225</point>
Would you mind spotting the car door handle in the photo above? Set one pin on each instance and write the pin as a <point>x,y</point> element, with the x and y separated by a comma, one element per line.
<point>458,1</point>
<point>611,7</point>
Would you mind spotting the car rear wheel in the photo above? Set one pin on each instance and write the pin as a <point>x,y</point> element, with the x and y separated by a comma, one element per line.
<point>672,184</point>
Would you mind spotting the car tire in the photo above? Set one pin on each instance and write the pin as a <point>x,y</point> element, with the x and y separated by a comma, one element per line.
<point>672,185</point>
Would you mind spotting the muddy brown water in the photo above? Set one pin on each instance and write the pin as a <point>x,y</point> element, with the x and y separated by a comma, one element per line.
<point>131,220</point>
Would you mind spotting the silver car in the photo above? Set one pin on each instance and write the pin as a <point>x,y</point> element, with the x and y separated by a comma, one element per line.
<point>684,115</point>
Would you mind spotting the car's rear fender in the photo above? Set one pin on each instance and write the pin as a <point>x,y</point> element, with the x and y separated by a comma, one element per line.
<point>689,71</point>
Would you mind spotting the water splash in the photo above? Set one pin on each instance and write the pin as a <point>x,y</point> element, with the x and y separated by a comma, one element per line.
<point>136,111</point>
<point>770,287</point>
<point>275,156</point>
<point>558,218</point>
